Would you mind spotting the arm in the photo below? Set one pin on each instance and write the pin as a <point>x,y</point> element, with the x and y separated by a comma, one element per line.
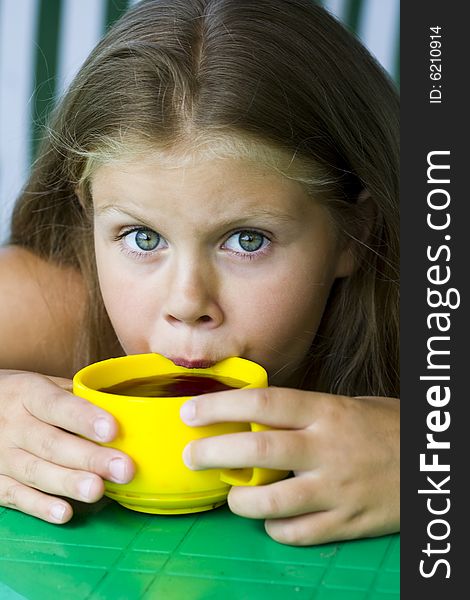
<point>41,306</point>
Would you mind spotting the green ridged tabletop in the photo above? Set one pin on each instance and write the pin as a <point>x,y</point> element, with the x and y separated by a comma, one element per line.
<point>109,552</point>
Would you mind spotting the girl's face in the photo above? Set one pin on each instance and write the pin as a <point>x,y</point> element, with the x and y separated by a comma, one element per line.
<point>221,258</point>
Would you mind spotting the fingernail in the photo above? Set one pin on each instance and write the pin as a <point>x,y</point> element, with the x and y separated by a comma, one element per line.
<point>117,468</point>
<point>188,411</point>
<point>102,428</point>
<point>187,457</point>
<point>84,487</point>
<point>57,512</point>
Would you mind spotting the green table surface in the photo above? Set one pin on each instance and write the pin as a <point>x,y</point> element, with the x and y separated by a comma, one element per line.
<point>109,552</point>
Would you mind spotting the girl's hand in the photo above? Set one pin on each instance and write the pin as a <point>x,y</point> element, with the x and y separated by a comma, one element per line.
<point>40,459</point>
<point>344,453</point>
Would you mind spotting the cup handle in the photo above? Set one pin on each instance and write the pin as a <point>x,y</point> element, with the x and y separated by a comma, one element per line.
<point>252,475</point>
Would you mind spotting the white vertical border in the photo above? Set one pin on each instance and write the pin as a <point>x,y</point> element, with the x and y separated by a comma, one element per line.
<point>18,19</point>
<point>81,27</point>
<point>379,29</point>
<point>336,7</point>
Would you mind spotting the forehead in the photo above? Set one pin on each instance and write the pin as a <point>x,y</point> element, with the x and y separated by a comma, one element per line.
<point>198,152</point>
<point>213,183</point>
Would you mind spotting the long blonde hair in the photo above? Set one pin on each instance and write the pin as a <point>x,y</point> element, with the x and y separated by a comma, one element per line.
<point>275,79</point>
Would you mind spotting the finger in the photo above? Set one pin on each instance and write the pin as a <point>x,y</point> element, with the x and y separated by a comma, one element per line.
<point>276,407</point>
<point>62,448</point>
<point>286,450</point>
<point>53,479</point>
<point>33,502</point>
<point>49,403</point>
<point>339,523</point>
<point>309,529</point>
<point>287,498</point>
<point>62,382</point>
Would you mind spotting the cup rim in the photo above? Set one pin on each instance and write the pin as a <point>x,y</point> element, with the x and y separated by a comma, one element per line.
<point>154,364</point>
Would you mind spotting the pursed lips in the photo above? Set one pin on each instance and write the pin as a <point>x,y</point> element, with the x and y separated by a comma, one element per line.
<point>192,364</point>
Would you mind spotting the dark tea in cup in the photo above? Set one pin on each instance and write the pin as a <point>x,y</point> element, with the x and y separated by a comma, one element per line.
<point>173,385</point>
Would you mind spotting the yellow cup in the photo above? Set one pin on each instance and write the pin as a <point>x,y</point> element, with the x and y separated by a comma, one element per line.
<point>152,433</point>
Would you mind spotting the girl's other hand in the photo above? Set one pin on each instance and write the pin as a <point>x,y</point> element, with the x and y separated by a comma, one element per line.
<point>344,454</point>
<point>41,459</point>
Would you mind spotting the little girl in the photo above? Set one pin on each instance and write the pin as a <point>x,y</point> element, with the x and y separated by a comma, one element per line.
<point>221,179</point>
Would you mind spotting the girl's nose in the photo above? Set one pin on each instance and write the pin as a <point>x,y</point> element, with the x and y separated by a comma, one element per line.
<point>192,298</point>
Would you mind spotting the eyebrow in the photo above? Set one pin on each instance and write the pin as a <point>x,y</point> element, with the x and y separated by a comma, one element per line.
<point>258,212</point>
<point>115,208</point>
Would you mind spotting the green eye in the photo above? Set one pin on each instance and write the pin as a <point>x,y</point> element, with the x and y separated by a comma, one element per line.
<point>250,241</point>
<point>246,241</point>
<point>145,240</point>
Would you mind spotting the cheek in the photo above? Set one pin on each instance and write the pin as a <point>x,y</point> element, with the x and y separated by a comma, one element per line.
<point>124,300</point>
<point>283,317</point>
<point>129,321</point>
